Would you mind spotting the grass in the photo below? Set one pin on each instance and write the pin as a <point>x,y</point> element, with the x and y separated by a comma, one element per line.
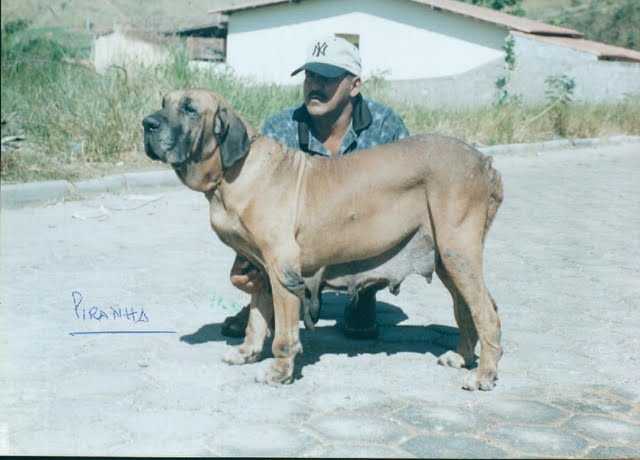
<point>78,124</point>
<point>510,124</point>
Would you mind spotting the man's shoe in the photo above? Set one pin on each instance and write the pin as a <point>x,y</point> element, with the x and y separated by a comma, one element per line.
<point>234,326</point>
<point>360,316</point>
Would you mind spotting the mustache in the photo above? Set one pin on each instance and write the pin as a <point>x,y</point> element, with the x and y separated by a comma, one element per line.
<point>317,95</point>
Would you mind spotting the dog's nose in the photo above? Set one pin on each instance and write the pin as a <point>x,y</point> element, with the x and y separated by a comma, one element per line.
<point>150,123</point>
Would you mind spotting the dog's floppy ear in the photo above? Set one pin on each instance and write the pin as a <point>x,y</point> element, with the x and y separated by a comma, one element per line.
<point>232,137</point>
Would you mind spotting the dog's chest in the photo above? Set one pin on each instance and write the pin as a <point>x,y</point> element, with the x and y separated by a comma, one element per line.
<point>226,224</point>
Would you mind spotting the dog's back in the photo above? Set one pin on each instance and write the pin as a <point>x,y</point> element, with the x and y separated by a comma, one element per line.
<point>385,193</point>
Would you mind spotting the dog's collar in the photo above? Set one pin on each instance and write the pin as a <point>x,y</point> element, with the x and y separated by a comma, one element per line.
<point>181,168</point>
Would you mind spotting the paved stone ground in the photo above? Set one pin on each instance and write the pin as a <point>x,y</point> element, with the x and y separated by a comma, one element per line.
<point>562,261</point>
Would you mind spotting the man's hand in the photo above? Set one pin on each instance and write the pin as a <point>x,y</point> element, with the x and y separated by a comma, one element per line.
<point>246,277</point>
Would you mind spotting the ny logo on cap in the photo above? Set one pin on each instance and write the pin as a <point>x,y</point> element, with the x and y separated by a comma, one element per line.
<point>319,49</point>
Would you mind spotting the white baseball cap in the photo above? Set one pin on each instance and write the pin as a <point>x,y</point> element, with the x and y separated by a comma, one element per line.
<point>331,56</point>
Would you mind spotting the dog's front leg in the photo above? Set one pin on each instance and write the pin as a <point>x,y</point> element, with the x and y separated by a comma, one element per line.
<point>258,329</point>
<point>286,284</point>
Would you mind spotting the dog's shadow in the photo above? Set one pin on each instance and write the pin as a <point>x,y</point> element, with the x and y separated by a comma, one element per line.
<point>434,339</point>
<point>209,333</point>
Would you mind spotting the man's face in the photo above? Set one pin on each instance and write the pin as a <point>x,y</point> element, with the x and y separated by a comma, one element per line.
<point>326,95</point>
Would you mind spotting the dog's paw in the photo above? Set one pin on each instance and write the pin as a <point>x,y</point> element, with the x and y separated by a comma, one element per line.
<point>237,356</point>
<point>275,372</point>
<point>476,380</point>
<point>451,359</point>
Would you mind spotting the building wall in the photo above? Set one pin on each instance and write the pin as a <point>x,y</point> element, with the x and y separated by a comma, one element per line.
<point>473,88</point>
<point>596,81</point>
<point>402,39</point>
<point>117,48</point>
<point>130,51</point>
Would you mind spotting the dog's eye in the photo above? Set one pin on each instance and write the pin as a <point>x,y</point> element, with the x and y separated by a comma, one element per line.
<point>189,109</point>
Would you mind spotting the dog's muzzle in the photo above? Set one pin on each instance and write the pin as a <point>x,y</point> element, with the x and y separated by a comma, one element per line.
<point>150,124</point>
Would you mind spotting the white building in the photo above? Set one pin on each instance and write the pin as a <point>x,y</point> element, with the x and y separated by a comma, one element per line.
<point>124,49</point>
<point>442,51</point>
<point>129,48</point>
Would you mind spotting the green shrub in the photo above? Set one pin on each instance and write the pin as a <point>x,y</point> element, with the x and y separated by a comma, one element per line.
<point>559,93</point>
<point>508,6</point>
<point>616,22</point>
<point>15,26</point>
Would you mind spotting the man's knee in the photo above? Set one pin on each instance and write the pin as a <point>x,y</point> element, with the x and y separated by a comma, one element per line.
<point>239,281</point>
<point>246,276</point>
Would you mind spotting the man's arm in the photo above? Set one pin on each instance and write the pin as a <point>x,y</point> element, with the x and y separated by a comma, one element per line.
<point>269,127</point>
<point>281,128</point>
<point>393,128</point>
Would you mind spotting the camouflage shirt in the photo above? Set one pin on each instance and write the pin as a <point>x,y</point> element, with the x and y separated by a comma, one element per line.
<point>372,124</point>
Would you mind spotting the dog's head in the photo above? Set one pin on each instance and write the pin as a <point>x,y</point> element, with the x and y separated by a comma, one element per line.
<point>193,126</point>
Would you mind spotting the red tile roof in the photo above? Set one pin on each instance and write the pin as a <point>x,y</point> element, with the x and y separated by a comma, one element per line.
<point>498,18</point>
<point>601,50</point>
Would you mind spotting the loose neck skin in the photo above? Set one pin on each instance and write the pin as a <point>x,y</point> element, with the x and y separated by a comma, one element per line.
<point>251,181</point>
<point>209,176</point>
<point>266,160</point>
<point>201,177</point>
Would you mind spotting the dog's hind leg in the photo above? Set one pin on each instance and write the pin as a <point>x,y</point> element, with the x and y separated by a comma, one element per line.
<point>464,356</point>
<point>459,228</point>
<point>463,262</point>
<point>258,329</point>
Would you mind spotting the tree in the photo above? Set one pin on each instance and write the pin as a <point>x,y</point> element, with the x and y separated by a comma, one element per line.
<point>507,6</point>
<point>609,21</point>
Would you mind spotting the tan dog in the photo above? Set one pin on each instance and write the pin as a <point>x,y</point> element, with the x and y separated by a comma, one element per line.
<point>419,204</point>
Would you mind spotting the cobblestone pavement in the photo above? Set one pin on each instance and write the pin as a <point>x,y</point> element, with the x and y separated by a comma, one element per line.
<point>562,261</point>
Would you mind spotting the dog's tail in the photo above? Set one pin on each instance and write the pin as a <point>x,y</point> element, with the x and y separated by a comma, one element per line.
<point>496,193</point>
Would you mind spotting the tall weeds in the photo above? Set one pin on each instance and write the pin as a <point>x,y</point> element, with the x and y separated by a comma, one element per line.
<point>74,119</point>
